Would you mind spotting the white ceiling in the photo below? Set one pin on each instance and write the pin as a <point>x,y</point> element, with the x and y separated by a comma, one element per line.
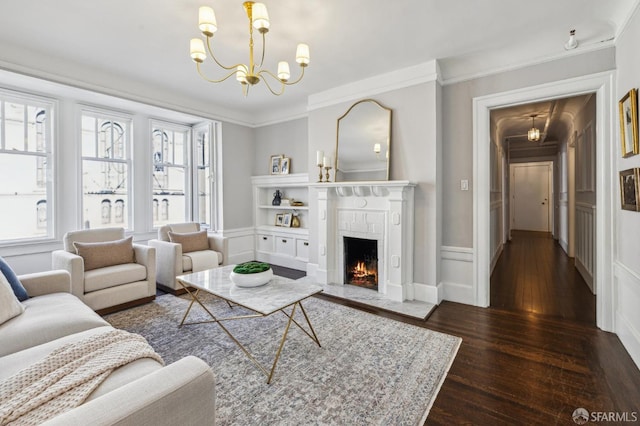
<point>350,40</point>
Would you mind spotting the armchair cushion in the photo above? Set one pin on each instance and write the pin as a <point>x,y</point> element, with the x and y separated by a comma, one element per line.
<point>103,254</point>
<point>9,305</point>
<point>190,241</point>
<point>111,276</point>
<point>13,280</point>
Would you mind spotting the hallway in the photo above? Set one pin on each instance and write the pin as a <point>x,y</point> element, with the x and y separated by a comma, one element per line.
<point>535,275</point>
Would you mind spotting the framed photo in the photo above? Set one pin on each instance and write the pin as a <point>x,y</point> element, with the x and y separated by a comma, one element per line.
<point>629,123</point>
<point>629,193</point>
<point>279,219</point>
<point>285,165</point>
<point>286,220</point>
<point>275,164</point>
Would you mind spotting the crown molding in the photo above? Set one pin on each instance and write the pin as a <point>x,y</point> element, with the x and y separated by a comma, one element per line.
<point>398,79</point>
<point>628,18</point>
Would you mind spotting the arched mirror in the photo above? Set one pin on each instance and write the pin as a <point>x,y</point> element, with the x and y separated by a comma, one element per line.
<point>363,142</point>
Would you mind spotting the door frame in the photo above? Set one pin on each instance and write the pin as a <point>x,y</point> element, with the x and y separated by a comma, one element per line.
<point>603,85</point>
<point>550,191</point>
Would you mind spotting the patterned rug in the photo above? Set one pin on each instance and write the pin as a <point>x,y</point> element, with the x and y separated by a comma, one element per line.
<point>370,370</point>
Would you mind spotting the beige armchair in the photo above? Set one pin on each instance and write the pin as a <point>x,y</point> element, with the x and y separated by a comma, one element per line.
<point>182,248</point>
<point>108,272</point>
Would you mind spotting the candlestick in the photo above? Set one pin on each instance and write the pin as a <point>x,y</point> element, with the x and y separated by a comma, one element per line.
<point>327,168</point>
<point>320,174</point>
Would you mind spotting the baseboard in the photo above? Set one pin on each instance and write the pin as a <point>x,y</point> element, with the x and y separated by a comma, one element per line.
<point>588,278</point>
<point>459,293</point>
<point>627,299</point>
<point>457,275</point>
<point>630,338</point>
<point>427,293</point>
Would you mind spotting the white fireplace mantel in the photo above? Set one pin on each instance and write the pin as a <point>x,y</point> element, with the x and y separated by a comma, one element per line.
<point>378,210</point>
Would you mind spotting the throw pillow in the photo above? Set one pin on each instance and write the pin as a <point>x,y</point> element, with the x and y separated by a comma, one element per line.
<point>14,282</point>
<point>109,253</point>
<point>9,305</point>
<point>190,241</point>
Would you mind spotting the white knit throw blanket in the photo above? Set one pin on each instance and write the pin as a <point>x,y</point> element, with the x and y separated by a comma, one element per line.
<point>67,376</point>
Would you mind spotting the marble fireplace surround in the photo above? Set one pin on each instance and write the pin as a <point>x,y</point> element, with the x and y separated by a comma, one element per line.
<point>376,210</point>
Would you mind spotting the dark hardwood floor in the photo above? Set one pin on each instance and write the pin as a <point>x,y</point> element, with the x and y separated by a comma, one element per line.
<point>535,275</point>
<point>534,357</point>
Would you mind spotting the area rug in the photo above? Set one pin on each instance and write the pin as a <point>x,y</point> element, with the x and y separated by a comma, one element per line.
<point>370,370</point>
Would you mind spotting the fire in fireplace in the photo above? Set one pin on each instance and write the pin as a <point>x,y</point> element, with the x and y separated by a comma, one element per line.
<point>361,262</point>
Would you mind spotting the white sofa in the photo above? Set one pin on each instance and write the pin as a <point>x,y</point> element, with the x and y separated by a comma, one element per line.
<point>140,393</point>
<point>172,260</point>
<point>113,287</point>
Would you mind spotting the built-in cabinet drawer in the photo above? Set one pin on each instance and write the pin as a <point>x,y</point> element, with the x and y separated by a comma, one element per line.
<point>302,249</point>
<point>265,242</point>
<point>285,245</point>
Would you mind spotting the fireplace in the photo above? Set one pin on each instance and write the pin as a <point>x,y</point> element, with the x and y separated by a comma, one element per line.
<point>361,262</point>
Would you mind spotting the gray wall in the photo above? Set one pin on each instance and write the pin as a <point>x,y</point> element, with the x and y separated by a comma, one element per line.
<point>458,129</point>
<point>237,168</point>
<point>289,138</point>
<point>414,156</point>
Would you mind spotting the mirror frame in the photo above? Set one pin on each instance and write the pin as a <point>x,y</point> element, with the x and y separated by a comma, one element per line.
<point>384,108</point>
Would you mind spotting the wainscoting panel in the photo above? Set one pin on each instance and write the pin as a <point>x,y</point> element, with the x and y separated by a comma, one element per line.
<point>457,274</point>
<point>241,245</point>
<point>496,232</point>
<point>585,242</point>
<point>627,298</point>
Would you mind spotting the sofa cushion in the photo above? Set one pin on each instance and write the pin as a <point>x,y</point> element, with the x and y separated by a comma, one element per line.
<point>12,363</point>
<point>109,253</point>
<point>112,276</point>
<point>47,318</point>
<point>187,261</point>
<point>190,241</point>
<point>10,306</point>
<point>16,285</point>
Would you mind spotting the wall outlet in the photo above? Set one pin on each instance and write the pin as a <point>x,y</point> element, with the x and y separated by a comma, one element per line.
<point>464,185</point>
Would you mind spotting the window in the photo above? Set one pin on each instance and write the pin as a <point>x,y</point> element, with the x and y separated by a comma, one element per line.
<point>106,199</point>
<point>171,145</point>
<point>204,175</point>
<point>26,186</point>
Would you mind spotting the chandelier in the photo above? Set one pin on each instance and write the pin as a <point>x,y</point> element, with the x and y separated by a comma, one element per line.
<point>246,74</point>
<point>533,134</point>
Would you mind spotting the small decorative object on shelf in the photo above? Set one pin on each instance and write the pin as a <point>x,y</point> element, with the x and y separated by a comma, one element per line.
<point>277,198</point>
<point>296,203</point>
<point>279,219</point>
<point>295,221</point>
<point>285,165</point>
<point>319,157</point>
<point>286,220</point>
<point>251,274</point>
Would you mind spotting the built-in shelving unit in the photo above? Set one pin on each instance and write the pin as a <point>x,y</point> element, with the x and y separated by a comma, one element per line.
<point>281,245</point>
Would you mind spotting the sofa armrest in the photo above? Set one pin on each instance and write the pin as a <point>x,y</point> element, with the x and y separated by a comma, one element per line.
<point>182,393</point>
<point>168,261</point>
<point>40,283</point>
<point>221,245</point>
<point>72,263</point>
<point>146,256</point>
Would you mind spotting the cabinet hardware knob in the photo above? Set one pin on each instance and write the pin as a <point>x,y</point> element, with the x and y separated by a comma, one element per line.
<point>306,243</point>
<point>284,241</point>
<point>264,238</point>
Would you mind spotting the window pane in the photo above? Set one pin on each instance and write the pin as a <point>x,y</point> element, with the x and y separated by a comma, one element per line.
<point>179,147</point>
<point>14,126</point>
<point>104,192</point>
<point>24,212</point>
<point>36,129</point>
<point>88,136</point>
<point>169,200</point>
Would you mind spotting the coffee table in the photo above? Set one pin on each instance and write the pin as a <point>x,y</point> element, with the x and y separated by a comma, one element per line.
<point>280,293</point>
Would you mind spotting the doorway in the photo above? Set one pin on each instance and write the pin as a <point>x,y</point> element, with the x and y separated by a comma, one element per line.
<point>602,85</point>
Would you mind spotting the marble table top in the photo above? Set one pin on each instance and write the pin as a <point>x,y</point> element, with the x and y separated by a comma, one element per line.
<point>278,293</point>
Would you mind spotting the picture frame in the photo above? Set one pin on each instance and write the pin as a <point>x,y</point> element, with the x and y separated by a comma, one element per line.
<point>285,165</point>
<point>275,164</point>
<point>279,219</point>
<point>286,219</point>
<point>629,192</point>
<point>628,107</point>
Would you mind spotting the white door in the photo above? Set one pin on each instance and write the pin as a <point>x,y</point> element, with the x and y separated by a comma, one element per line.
<point>531,196</point>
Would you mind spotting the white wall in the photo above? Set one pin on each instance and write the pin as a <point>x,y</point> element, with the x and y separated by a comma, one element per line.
<point>290,138</point>
<point>627,229</point>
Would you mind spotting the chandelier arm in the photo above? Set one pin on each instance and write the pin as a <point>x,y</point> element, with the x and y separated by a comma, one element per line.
<point>216,59</point>
<point>263,49</point>
<point>212,80</point>
<point>266,82</point>
<point>291,83</point>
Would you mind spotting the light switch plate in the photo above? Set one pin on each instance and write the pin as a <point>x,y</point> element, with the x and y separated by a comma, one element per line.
<point>464,185</point>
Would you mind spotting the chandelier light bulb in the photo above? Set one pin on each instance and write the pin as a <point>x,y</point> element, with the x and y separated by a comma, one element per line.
<point>196,47</point>
<point>260,17</point>
<point>302,55</point>
<point>533,134</point>
<point>207,21</point>
<point>241,74</point>
<point>283,71</point>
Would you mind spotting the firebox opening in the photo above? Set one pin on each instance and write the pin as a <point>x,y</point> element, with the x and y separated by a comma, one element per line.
<point>361,262</point>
